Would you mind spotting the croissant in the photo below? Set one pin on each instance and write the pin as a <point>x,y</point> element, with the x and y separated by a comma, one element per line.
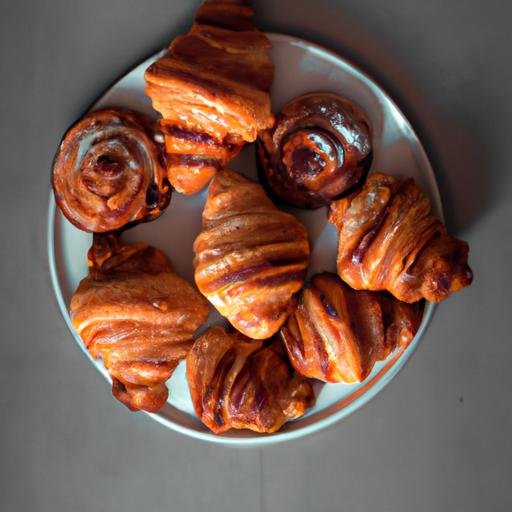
<point>139,316</point>
<point>250,257</point>
<point>211,88</point>
<point>236,382</point>
<point>108,171</point>
<point>319,149</point>
<point>336,334</point>
<point>390,240</point>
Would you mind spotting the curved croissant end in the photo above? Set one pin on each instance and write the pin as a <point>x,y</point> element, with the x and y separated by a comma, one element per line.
<point>390,240</point>
<point>336,334</point>
<point>250,257</point>
<point>236,382</point>
<point>136,314</point>
<point>211,88</point>
<point>108,172</point>
<point>319,149</point>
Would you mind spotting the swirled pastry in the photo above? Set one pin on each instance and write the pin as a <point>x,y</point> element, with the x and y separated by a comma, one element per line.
<point>250,257</point>
<point>139,316</point>
<point>236,382</point>
<point>336,334</point>
<point>319,149</point>
<point>108,171</point>
<point>390,240</point>
<point>211,88</point>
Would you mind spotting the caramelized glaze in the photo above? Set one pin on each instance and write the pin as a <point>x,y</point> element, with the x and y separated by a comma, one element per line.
<point>319,149</point>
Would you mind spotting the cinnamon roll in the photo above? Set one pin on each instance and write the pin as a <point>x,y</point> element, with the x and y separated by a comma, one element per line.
<point>336,334</point>
<point>211,88</point>
<point>236,382</point>
<point>108,171</point>
<point>389,239</point>
<point>134,312</point>
<point>319,149</point>
<point>250,257</point>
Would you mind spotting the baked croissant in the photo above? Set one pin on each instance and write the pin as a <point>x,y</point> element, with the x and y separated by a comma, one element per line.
<point>250,257</point>
<point>336,334</point>
<point>139,316</point>
<point>211,88</point>
<point>109,172</point>
<point>236,382</point>
<point>319,149</point>
<point>390,240</point>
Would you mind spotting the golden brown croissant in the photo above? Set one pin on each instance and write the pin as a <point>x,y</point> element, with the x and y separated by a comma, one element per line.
<point>319,149</point>
<point>236,382</point>
<point>139,316</point>
<point>336,334</point>
<point>108,171</point>
<point>390,240</point>
<point>250,257</point>
<point>211,88</point>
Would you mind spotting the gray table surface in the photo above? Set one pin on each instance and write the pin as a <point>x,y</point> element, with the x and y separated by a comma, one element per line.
<point>438,438</point>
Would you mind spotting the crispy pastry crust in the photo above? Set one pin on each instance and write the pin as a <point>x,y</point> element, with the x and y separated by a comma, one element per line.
<point>390,240</point>
<point>136,314</point>
<point>236,382</point>
<point>250,257</point>
<point>336,334</point>
<point>211,88</point>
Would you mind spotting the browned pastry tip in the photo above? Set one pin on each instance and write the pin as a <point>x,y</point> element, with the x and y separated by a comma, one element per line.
<point>389,239</point>
<point>235,16</point>
<point>109,172</point>
<point>319,149</point>
<point>336,334</point>
<point>250,257</point>
<point>211,88</point>
<point>135,313</point>
<point>239,383</point>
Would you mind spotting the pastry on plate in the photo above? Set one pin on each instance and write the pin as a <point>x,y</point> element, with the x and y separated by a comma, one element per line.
<point>336,334</point>
<point>250,257</point>
<point>389,239</point>
<point>211,88</point>
<point>319,149</point>
<point>138,315</point>
<point>109,171</point>
<point>239,383</point>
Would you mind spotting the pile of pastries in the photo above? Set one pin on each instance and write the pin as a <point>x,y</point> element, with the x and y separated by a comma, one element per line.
<point>116,168</point>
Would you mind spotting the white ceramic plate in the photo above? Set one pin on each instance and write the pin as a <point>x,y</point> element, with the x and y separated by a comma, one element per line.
<point>301,67</point>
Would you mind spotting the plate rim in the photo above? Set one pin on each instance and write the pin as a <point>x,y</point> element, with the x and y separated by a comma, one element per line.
<point>323,423</point>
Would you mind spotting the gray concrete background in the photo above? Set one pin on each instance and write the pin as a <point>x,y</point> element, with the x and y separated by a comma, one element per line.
<point>438,438</point>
